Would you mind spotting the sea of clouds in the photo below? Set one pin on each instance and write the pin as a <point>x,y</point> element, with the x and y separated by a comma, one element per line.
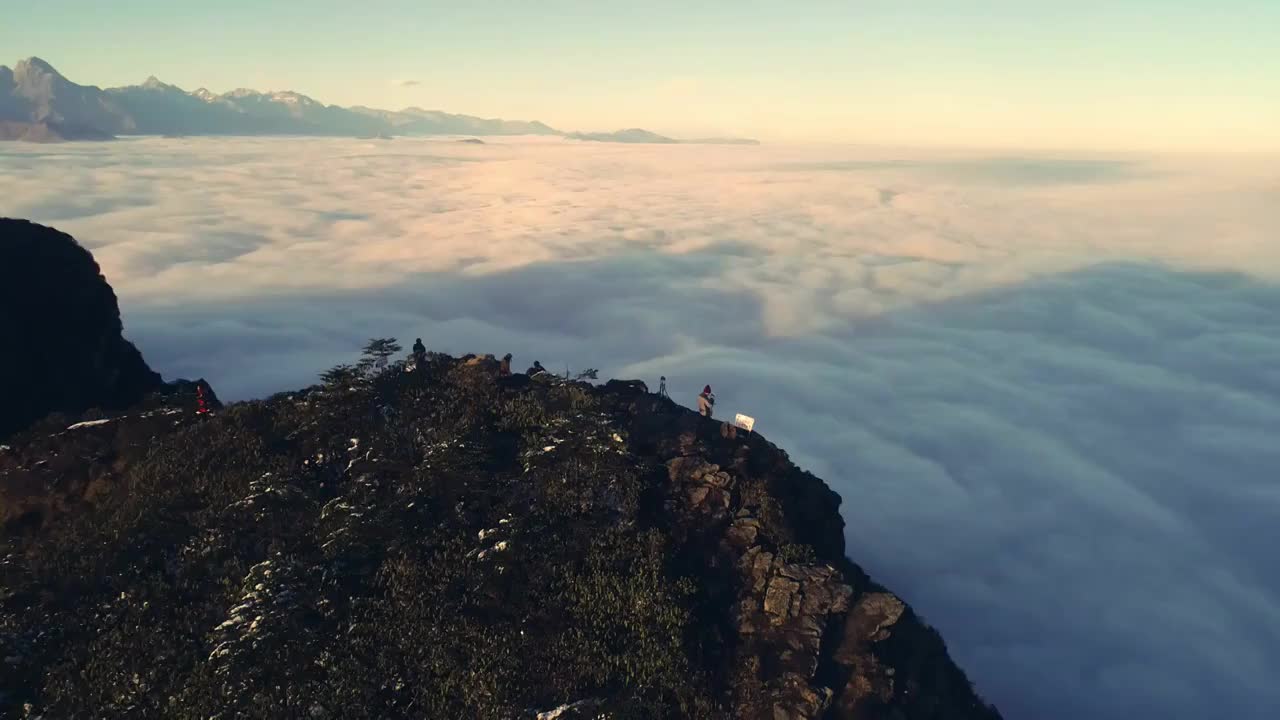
<point>1046,386</point>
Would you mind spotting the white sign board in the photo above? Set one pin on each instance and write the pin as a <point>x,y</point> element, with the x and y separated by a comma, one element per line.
<point>745,422</point>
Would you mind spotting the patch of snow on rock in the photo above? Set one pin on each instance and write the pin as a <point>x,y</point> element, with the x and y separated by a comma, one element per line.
<point>88,423</point>
<point>559,712</point>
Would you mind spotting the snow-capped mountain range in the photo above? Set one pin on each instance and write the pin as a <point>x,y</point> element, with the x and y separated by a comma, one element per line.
<point>36,98</point>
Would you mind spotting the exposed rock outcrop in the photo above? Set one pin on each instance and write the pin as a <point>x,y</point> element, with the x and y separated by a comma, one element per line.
<point>811,635</point>
<point>63,348</point>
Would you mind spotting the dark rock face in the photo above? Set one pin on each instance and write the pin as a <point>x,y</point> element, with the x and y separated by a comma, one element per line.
<point>63,349</point>
<point>438,541</point>
<point>808,633</point>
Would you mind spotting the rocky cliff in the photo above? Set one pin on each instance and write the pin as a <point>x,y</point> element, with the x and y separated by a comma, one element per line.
<point>63,348</point>
<point>437,540</point>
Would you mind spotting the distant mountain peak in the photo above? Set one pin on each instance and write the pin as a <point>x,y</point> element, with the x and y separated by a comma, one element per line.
<point>293,98</point>
<point>33,68</point>
<point>642,136</point>
<point>154,83</point>
<point>35,63</point>
<point>630,135</point>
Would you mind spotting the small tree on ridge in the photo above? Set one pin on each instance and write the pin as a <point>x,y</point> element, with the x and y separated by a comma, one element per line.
<point>376,352</point>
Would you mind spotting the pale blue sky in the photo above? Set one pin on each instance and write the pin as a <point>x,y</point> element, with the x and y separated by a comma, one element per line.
<point>1139,74</point>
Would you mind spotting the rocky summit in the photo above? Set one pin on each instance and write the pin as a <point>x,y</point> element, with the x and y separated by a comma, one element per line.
<point>438,539</point>
<point>63,347</point>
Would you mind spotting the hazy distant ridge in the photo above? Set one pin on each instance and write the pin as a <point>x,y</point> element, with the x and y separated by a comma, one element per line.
<point>38,103</point>
<point>34,95</point>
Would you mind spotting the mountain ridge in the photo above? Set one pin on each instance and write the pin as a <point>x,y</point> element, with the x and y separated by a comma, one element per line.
<point>34,92</point>
<point>39,103</point>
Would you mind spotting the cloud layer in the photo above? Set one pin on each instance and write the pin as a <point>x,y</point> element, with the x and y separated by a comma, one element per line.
<point>1047,388</point>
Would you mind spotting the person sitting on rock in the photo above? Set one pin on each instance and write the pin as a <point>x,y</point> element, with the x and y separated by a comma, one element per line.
<point>537,369</point>
<point>706,401</point>
<point>504,369</point>
<point>419,351</point>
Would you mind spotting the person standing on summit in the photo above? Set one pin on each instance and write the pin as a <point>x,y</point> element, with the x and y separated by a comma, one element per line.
<point>706,401</point>
<point>419,351</point>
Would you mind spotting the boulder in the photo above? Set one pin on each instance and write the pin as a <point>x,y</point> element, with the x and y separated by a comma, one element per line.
<point>63,348</point>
